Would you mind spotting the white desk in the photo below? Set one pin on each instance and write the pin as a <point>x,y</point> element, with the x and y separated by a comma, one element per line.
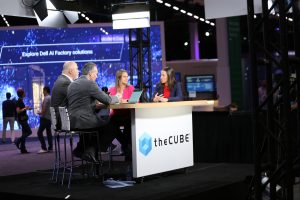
<point>162,135</point>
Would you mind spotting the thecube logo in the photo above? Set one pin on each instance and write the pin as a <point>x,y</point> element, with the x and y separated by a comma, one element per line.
<point>145,144</point>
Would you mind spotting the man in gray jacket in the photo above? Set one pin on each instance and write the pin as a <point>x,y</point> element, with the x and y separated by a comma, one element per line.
<point>84,100</point>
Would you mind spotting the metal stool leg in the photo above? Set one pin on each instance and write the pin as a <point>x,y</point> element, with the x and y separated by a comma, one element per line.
<point>55,161</point>
<point>57,155</point>
<point>72,160</point>
<point>65,160</point>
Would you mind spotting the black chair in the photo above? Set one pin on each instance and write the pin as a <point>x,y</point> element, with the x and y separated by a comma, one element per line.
<point>70,164</point>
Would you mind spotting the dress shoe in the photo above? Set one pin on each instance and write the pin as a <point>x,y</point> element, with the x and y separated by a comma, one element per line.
<point>89,157</point>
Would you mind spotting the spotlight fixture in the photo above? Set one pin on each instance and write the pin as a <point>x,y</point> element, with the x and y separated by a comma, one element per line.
<point>47,15</point>
<point>131,15</point>
<point>40,9</point>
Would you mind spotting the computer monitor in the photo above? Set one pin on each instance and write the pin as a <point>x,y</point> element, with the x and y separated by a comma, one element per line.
<point>201,86</point>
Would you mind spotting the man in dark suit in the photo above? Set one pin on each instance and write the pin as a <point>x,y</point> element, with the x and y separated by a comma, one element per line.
<point>59,91</point>
<point>84,100</point>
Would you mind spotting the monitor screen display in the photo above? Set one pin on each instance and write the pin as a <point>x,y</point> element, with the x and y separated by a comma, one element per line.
<point>200,83</point>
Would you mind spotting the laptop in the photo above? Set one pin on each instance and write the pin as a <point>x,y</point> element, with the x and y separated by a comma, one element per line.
<point>135,96</point>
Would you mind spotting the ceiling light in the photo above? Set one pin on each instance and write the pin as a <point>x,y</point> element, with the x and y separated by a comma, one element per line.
<point>131,15</point>
<point>188,13</point>
<point>4,19</point>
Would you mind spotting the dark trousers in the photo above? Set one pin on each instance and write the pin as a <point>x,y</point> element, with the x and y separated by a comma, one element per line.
<point>45,124</point>
<point>123,137</point>
<point>106,133</point>
<point>26,131</point>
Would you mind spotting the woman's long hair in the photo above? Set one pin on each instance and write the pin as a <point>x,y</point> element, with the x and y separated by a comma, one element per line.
<point>171,76</point>
<point>118,77</point>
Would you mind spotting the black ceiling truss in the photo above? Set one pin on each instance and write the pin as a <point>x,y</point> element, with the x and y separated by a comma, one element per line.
<point>276,119</point>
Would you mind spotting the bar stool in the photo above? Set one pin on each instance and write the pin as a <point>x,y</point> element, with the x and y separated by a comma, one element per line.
<point>57,159</point>
<point>69,165</point>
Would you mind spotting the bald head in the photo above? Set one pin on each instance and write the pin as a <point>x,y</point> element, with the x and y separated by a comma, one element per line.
<point>70,68</point>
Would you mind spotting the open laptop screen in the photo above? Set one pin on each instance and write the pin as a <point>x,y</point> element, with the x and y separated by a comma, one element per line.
<point>135,96</point>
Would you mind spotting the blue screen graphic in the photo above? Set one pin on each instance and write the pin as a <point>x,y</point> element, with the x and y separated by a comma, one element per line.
<point>32,58</point>
<point>200,84</point>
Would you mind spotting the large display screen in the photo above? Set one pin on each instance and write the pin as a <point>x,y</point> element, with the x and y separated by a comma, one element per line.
<point>32,58</point>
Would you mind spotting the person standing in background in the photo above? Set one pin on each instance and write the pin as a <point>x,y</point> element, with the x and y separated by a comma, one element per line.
<point>8,113</point>
<point>23,120</point>
<point>45,122</point>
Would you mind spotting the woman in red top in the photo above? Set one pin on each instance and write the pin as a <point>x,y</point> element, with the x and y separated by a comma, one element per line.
<point>168,89</point>
<point>122,117</point>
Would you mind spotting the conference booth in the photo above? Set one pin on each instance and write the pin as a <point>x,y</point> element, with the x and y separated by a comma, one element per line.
<point>162,135</point>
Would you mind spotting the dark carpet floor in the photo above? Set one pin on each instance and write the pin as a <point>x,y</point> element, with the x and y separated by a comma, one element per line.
<point>202,181</point>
